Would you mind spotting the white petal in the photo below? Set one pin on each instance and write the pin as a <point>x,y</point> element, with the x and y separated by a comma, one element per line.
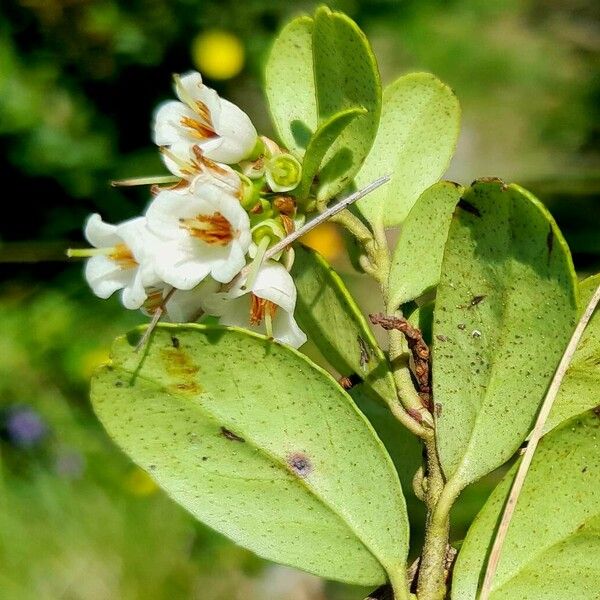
<point>105,276</point>
<point>183,306</point>
<point>168,207</point>
<point>167,127</point>
<point>101,234</point>
<point>274,283</point>
<point>193,86</point>
<point>225,270</point>
<point>134,294</point>
<point>179,268</point>
<point>286,330</point>
<point>238,133</point>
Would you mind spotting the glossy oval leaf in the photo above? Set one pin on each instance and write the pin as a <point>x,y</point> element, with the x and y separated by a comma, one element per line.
<point>417,258</point>
<point>332,320</point>
<point>290,85</point>
<point>417,135</point>
<point>262,445</point>
<point>327,133</point>
<point>580,389</point>
<point>553,543</point>
<point>346,76</point>
<point>505,309</point>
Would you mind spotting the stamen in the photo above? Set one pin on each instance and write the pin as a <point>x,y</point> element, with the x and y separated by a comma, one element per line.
<point>198,129</point>
<point>207,163</point>
<point>154,300</point>
<point>187,167</point>
<point>212,229</point>
<point>260,309</point>
<point>269,319</point>
<point>123,255</point>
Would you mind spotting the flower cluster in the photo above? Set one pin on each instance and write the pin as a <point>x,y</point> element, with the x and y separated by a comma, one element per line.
<point>200,246</point>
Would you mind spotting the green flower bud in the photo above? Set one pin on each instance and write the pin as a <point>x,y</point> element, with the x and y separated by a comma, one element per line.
<point>283,172</point>
<point>250,194</point>
<point>268,228</point>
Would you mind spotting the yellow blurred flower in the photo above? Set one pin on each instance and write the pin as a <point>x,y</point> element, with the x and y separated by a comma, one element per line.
<point>326,239</point>
<point>139,483</point>
<point>218,54</point>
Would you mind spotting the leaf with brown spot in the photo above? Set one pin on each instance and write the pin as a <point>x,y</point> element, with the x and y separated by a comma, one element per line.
<point>260,451</point>
<point>506,313</point>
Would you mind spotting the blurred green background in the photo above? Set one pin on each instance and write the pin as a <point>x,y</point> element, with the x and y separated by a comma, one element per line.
<point>78,82</point>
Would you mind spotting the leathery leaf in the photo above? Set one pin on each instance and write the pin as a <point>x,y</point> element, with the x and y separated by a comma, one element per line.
<point>505,309</point>
<point>552,547</point>
<point>580,389</point>
<point>262,445</point>
<point>327,312</point>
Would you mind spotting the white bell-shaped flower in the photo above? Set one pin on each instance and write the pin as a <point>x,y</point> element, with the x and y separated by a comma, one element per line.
<point>205,231</point>
<point>267,307</point>
<point>122,259</point>
<point>223,131</point>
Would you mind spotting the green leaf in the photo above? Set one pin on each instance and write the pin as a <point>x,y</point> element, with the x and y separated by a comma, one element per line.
<point>346,76</point>
<point>579,389</point>
<point>418,255</point>
<point>416,139</point>
<point>262,445</point>
<point>553,543</point>
<point>319,144</point>
<point>290,85</point>
<point>330,317</point>
<point>316,69</point>
<point>505,308</point>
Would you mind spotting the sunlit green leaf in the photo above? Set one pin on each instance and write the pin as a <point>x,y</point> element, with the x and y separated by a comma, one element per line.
<point>415,141</point>
<point>418,255</point>
<point>290,86</point>
<point>580,389</point>
<point>505,308</point>
<point>318,68</point>
<point>320,143</point>
<point>329,315</point>
<point>346,76</point>
<point>261,444</point>
<point>553,542</point>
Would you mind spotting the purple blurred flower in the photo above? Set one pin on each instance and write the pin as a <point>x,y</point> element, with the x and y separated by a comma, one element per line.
<point>25,427</point>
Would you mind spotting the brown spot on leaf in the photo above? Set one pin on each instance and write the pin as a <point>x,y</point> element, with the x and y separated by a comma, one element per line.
<point>178,362</point>
<point>468,207</point>
<point>175,342</point>
<point>365,354</point>
<point>188,387</point>
<point>229,435</point>
<point>475,300</point>
<point>300,464</point>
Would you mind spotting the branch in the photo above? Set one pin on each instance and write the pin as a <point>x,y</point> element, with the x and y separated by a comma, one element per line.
<point>417,346</point>
<point>534,439</point>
